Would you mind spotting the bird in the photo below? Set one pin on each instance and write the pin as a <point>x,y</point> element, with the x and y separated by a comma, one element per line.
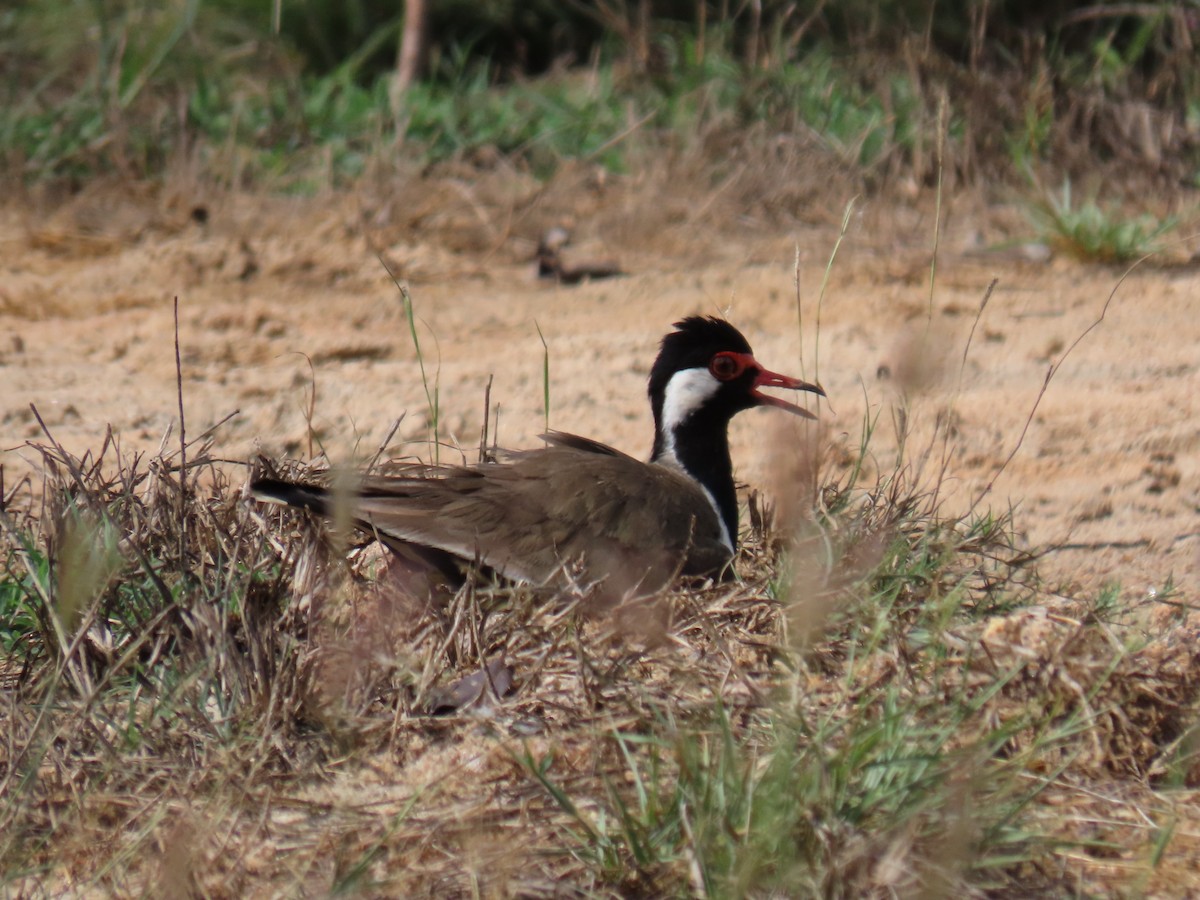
<point>577,512</point>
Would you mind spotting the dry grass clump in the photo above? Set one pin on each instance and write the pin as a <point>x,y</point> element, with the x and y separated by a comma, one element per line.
<point>147,655</point>
<point>203,696</point>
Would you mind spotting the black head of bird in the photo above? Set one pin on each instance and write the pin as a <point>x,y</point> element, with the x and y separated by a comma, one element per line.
<point>578,510</point>
<point>704,375</point>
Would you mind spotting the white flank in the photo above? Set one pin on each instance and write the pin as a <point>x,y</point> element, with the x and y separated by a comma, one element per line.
<point>686,392</point>
<point>725,539</point>
<point>263,497</point>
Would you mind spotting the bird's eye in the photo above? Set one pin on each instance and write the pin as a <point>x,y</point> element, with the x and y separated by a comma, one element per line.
<point>726,367</point>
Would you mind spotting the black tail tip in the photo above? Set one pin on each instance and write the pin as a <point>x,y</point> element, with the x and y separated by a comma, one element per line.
<point>286,493</point>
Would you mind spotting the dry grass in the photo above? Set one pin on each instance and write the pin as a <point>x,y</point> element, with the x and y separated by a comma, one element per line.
<point>202,697</point>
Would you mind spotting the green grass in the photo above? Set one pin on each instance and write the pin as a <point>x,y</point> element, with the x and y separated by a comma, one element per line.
<point>128,86</point>
<point>432,391</point>
<point>1093,233</point>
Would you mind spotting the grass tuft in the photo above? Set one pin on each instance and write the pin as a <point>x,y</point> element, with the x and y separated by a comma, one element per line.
<point>1089,232</point>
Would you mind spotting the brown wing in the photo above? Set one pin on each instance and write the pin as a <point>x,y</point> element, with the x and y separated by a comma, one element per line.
<point>631,523</point>
<point>575,441</point>
<point>576,505</point>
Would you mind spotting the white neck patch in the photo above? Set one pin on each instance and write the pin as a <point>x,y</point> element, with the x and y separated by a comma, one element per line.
<point>686,392</point>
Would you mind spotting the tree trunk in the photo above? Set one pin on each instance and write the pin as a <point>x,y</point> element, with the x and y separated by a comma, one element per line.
<point>414,45</point>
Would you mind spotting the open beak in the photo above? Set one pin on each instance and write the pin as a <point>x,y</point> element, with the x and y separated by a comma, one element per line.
<point>767,378</point>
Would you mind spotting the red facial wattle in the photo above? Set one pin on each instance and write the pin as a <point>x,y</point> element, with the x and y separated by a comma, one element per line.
<point>728,365</point>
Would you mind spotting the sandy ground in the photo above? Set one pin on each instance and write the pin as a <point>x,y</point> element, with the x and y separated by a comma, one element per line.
<point>276,296</point>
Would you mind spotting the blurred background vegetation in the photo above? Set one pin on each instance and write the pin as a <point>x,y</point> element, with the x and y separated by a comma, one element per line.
<point>254,92</point>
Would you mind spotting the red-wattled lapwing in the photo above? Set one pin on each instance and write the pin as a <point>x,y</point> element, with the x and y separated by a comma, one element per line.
<point>578,511</point>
